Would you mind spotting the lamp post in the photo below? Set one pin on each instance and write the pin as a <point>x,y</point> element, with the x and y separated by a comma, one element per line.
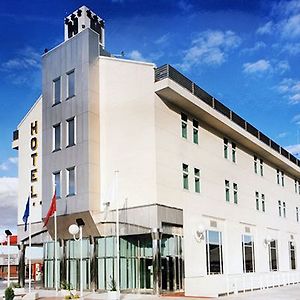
<point>8,235</point>
<point>74,229</point>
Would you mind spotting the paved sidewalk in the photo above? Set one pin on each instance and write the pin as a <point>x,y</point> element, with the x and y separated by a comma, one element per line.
<point>291,292</point>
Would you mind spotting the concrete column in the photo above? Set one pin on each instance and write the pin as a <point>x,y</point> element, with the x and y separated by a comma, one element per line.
<point>156,260</point>
<point>93,258</point>
<point>21,267</point>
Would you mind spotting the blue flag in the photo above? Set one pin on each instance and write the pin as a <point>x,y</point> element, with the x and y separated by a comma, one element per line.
<point>26,214</point>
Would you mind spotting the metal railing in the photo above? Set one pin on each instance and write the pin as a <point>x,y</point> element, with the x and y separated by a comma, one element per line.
<point>167,71</point>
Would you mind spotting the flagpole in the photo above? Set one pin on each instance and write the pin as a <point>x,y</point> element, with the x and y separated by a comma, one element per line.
<point>117,233</point>
<point>55,253</point>
<point>29,256</point>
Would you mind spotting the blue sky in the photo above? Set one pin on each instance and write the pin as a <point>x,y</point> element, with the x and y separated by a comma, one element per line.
<point>245,53</point>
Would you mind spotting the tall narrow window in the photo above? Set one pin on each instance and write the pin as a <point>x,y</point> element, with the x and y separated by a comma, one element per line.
<point>278,176</point>
<point>56,182</point>
<point>233,151</point>
<point>71,83</point>
<point>257,200</point>
<point>56,137</point>
<point>297,214</point>
<point>292,255</point>
<point>226,148</point>
<point>299,187</point>
<point>56,91</point>
<point>71,181</point>
<point>273,256</point>
<point>284,209</point>
<point>255,164</point>
<point>263,206</point>
<point>279,208</point>
<point>185,170</point>
<point>261,166</point>
<point>71,132</point>
<point>195,132</point>
<point>235,193</point>
<point>282,178</point>
<point>197,180</point>
<point>184,125</point>
<point>296,186</point>
<point>214,255</point>
<point>248,253</point>
<point>227,191</point>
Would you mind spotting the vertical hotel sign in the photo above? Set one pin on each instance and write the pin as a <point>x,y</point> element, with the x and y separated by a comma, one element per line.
<point>34,155</point>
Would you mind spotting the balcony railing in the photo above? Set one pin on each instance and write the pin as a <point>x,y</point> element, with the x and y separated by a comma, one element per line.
<point>167,71</point>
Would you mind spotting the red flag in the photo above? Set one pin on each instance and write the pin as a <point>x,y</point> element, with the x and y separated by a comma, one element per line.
<point>51,210</point>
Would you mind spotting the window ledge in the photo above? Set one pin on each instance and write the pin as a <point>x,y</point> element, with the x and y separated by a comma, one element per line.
<point>56,103</point>
<point>70,97</point>
<point>56,150</point>
<point>70,195</point>
<point>70,146</point>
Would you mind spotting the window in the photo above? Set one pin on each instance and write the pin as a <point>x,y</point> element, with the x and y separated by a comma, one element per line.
<point>297,186</point>
<point>71,83</point>
<point>56,182</point>
<point>184,125</point>
<point>71,181</point>
<point>248,253</point>
<point>235,193</point>
<point>56,137</point>
<point>292,255</point>
<point>225,148</point>
<point>197,180</point>
<point>71,132</point>
<point>185,169</point>
<point>195,132</point>
<point>255,164</point>
<point>273,261</point>
<point>297,214</point>
<point>56,91</point>
<point>260,202</point>
<point>263,207</point>
<point>284,209</point>
<point>227,191</point>
<point>279,208</point>
<point>257,200</point>
<point>229,145</point>
<point>261,166</point>
<point>280,177</point>
<point>233,151</point>
<point>214,255</point>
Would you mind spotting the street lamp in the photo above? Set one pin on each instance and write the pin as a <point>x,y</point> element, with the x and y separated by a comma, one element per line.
<point>8,234</point>
<point>74,229</point>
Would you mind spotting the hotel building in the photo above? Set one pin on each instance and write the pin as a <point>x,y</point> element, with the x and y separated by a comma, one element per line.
<point>209,205</point>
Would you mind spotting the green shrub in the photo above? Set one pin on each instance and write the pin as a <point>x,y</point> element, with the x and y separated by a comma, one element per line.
<point>9,293</point>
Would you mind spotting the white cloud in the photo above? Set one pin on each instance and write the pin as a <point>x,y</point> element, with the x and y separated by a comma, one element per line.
<point>4,166</point>
<point>258,46</point>
<point>27,58</point>
<point>282,135</point>
<point>291,48</point>
<point>296,119</point>
<point>8,201</point>
<point>136,55</point>
<point>163,39</point>
<point>291,89</point>
<point>263,66</point>
<point>259,66</point>
<point>290,27</point>
<point>211,48</point>
<point>266,28</point>
<point>294,149</point>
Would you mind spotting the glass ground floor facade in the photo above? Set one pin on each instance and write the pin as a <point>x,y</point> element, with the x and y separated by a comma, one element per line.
<point>137,260</point>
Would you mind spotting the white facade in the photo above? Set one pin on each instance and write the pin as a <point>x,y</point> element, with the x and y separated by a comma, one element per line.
<point>128,117</point>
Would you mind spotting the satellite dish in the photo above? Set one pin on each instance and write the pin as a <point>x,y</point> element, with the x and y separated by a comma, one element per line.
<point>199,233</point>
